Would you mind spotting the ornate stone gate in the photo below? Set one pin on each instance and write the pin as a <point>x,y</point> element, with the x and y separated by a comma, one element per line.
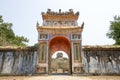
<point>59,32</point>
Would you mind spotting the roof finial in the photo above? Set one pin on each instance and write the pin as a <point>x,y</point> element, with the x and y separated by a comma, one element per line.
<point>59,10</point>
<point>82,26</point>
<point>37,24</point>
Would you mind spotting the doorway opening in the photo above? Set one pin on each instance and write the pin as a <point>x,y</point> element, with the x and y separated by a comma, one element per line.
<point>61,47</point>
<point>60,63</point>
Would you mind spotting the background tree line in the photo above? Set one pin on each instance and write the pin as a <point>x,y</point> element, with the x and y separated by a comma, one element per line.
<point>8,37</point>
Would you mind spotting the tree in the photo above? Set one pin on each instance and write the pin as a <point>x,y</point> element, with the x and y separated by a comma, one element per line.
<point>114,30</point>
<point>36,45</point>
<point>8,37</point>
<point>20,41</point>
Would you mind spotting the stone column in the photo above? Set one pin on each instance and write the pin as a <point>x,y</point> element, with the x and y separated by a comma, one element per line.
<point>72,52</point>
<point>47,58</point>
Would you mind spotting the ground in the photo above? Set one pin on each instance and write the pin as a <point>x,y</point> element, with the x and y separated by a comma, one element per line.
<point>60,77</point>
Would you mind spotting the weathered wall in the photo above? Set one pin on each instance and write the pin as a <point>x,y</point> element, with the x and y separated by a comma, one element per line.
<point>101,60</point>
<point>22,61</point>
<point>17,61</point>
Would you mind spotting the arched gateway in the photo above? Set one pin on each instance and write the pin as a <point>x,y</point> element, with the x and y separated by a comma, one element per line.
<point>59,32</point>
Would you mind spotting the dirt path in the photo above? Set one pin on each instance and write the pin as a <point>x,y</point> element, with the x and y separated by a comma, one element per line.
<point>60,77</point>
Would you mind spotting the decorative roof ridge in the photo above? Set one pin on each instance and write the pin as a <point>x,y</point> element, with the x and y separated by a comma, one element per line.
<point>70,12</point>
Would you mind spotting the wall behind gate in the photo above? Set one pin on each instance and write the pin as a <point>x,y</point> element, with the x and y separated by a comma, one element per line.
<point>101,59</point>
<point>17,61</point>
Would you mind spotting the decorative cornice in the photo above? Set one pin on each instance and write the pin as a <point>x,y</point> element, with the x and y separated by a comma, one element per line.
<point>66,30</point>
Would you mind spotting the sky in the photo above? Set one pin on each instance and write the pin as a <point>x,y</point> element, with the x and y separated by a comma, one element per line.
<point>96,14</point>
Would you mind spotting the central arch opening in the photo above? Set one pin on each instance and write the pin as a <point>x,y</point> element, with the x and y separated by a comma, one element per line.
<point>60,61</point>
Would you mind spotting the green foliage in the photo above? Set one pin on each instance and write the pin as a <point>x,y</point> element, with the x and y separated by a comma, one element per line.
<point>114,30</point>
<point>36,45</point>
<point>20,41</point>
<point>8,37</point>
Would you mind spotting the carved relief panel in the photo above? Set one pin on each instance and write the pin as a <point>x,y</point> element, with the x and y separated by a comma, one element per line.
<point>60,23</point>
<point>76,37</point>
<point>42,53</point>
<point>77,52</point>
<point>43,36</point>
